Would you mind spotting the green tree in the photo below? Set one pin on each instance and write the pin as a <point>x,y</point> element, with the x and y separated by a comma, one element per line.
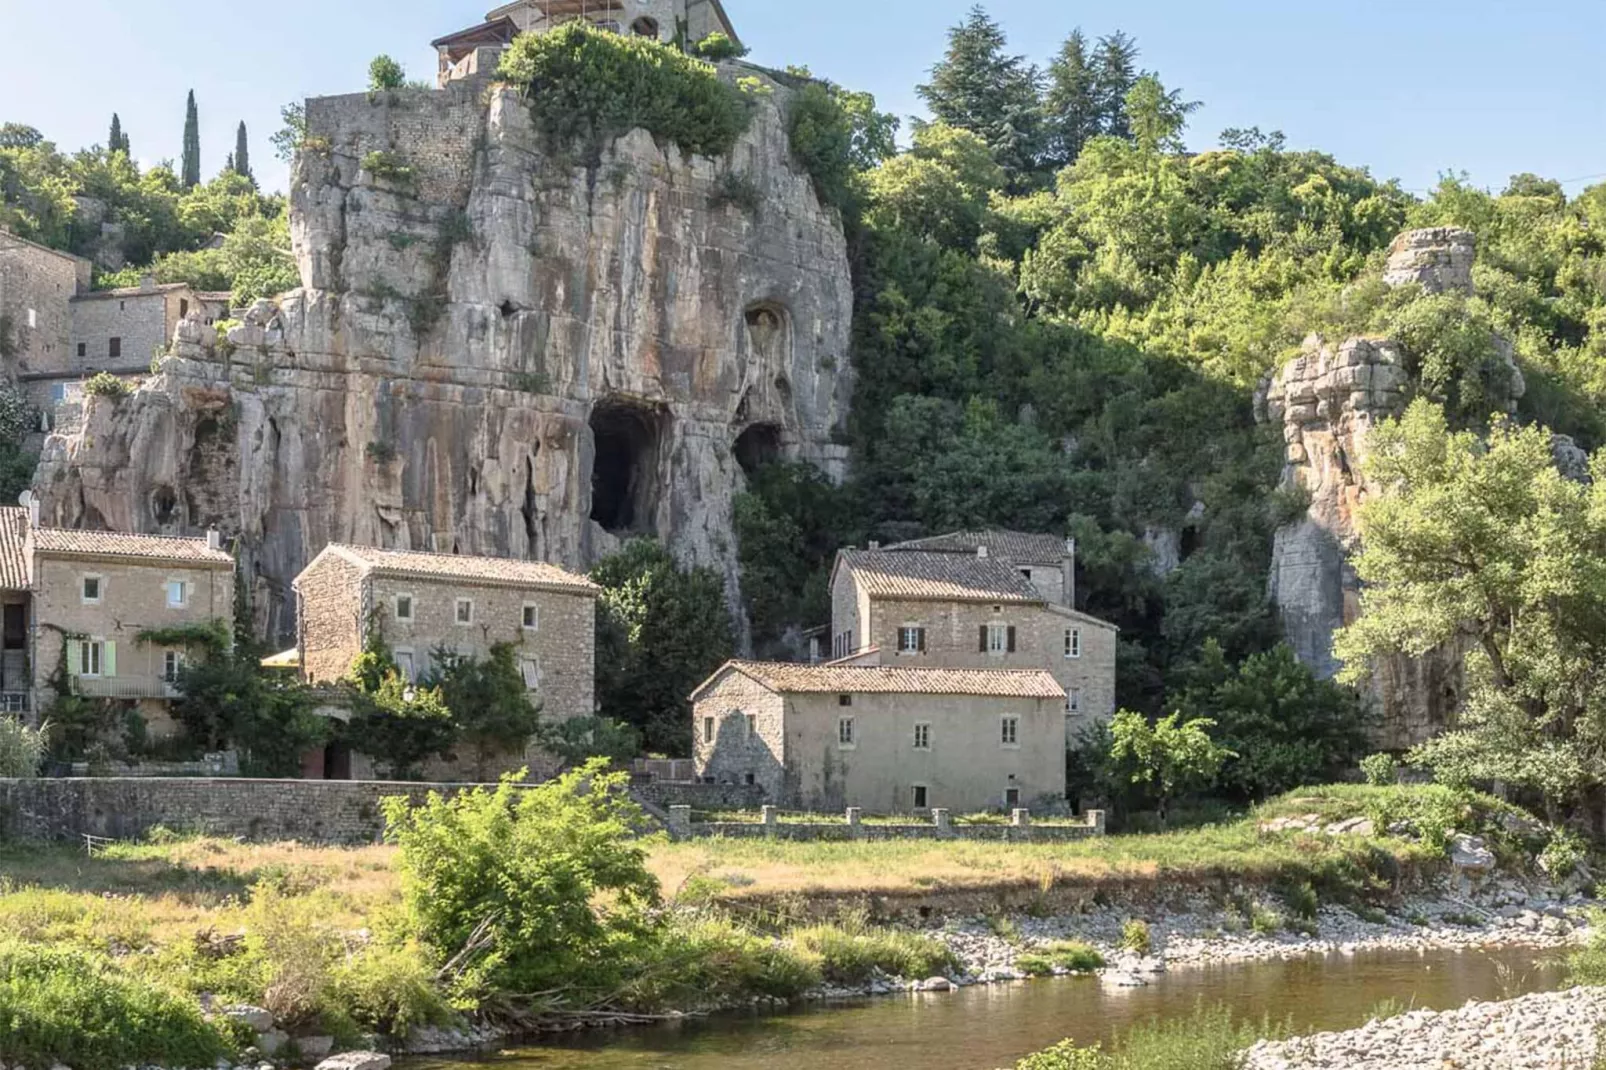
<point>490,701</point>
<point>1168,757</point>
<point>1487,544</point>
<point>1071,106</point>
<point>22,749</point>
<point>661,631</point>
<point>1114,73</point>
<point>392,719</point>
<point>190,173</point>
<point>385,73</point>
<point>117,141</point>
<point>581,739</point>
<point>979,87</point>
<point>242,155</point>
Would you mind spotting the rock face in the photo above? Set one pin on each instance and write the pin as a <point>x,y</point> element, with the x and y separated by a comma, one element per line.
<point>1326,400</point>
<point>494,351</point>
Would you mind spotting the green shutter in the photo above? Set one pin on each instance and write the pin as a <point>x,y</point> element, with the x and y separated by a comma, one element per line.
<point>74,658</point>
<point>109,660</point>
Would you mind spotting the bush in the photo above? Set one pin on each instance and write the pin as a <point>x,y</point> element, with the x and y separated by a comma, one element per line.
<point>390,990</point>
<point>586,86</point>
<point>821,134</point>
<point>1208,1039</point>
<point>1135,936</point>
<point>1587,965</point>
<point>1072,955</point>
<point>388,167</point>
<point>1380,770</point>
<point>851,953</point>
<point>737,190</point>
<point>1562,856</point>
<point>705,961</point>
<point>106,385</point>
<point>61,1006</point>
<point>1302,901</point>
<point>385,73</point>
<point>21,749</point>
<point>716,47</point>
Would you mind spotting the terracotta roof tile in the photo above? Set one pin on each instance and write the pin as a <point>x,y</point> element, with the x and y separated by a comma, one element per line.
<point>13,552</point>
<point>75,543</point>
<point>133,291</point>
<point>495,571</point>
<point>889,680</point>
<point>946,577</point>
<point>1016,547</point>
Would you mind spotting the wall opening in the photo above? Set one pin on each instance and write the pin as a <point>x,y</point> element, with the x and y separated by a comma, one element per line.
<point>164,505</point>
<point>629,439</point>
<point>769,332</point>
<point>645,27</point>
<point>758,446</point>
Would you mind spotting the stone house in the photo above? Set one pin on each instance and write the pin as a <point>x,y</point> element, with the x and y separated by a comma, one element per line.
<point>37,286</point>
<point>423,603</point>
<point>887,739</point>
<point>976,600</point>
<point>94,593</point>
<point>475,52</point>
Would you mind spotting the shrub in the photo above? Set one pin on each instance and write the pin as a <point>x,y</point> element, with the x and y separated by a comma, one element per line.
<point>1301,901</point>
<point>1265,921</point>
<point>737,190</point>
<point>1562,856</point>
<point>716,47</point>
<point>1380,770</point>
<point>385,73</point>
<point>106,385</point>
<point>1208,1039</point>
<point>1135,936</point>
<point>388,167</point>
<point>850,952</point>
<point>820,131</point>
<point>59,1005</point>
<point>586,86</point>
<point>706,960</point>
<point>390,990</point>
<point>1072,955</point>
<point>21,749</point>
<point>1587,965</point>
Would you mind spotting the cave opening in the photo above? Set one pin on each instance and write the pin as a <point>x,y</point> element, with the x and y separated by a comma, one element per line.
<point>164,505</point>
<point>624,476</point>
<point>758,446</point>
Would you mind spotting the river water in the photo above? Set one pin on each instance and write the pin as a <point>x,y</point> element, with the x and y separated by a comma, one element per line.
<point>989,1026</point>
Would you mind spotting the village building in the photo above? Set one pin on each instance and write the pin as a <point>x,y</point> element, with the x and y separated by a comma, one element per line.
<point>886,739</point>
<point>37,285</point>
<point>976,600</point>
<point>424,604</point>
<point>476,51</point>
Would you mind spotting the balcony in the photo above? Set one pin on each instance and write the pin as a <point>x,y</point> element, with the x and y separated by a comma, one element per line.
<point>131,687</point>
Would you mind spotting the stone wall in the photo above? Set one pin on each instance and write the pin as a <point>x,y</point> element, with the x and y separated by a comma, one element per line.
<point>662,795</point>
<point>1020,829</point>
<point>36,288</point>
<point>325,812</point>
<point>142,323</point>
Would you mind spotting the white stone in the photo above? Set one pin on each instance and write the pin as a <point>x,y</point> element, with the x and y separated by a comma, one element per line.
<point>356,1060</point>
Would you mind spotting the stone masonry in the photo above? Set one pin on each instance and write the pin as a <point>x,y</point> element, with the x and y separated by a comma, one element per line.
<point>37,286</point>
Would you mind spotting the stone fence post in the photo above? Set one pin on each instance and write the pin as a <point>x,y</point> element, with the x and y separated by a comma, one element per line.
<point>680,822</point>
<point>855,828</point>
<point>1021,819</point>
<point>943,822</point>
<point>772,819</point>
<point>1095,821</point>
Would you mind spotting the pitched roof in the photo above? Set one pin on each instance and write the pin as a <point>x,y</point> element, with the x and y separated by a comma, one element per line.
<point>134,291</point>
<point>488,571</point>
<point>13,555</point>
<point>64,542</point>
<point>1017,547</point>
<point>943,577</point>
<point>798,679</point>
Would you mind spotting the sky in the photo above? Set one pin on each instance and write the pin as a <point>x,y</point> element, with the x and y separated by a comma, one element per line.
<point>1410,89</point>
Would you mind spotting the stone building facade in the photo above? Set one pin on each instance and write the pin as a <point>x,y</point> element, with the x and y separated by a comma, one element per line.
<point>977,600</point>
<point>885,739</point>
<point>120,331</point>
<point>37,286</point>
<point>421,603</point>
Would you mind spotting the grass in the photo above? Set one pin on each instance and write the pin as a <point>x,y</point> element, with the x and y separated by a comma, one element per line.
<point>1208,1039</point>
<point>1072,955</point>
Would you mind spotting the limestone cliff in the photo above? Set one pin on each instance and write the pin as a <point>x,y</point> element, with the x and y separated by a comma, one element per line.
<point>1326,400</point>
<point>494,351</point>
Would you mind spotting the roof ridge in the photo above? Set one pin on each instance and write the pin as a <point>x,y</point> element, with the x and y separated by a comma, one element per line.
<point>121,534</point>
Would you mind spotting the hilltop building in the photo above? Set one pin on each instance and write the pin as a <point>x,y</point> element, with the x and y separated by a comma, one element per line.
<point>37,285</point>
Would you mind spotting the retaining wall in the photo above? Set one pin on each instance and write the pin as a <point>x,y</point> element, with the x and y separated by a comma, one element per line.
<point>1019,830</point>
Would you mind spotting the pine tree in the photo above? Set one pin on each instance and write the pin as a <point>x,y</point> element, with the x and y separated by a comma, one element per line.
<point>117,141</point>
<point>191,170</point>
<point>1115,72</point>
<point>1071,105</point>
<point>241,160</point>
<point>977,87</point>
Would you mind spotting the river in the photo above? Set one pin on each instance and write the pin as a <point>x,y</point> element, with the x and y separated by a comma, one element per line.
<point>985,1027</point>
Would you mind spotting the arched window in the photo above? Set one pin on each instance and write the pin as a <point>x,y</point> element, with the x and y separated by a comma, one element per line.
<point>645,27</point>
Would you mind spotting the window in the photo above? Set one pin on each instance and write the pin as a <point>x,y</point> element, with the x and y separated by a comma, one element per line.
<point>404,665</point>
<point>844,700</point>
<point>83,349</point>
<point>920,796</point>
<point>92,588</point>
<point>404,607</point>
<point>844,732</point>
<point>749,779</point>
<point>91,657</point>
<point>1026,573</point>
<point>114,348</point>
<point>178,594</point>
<point>708,730</point>
<point>58,392</point>
<point>530,669</point>
<point>172,662</point>
<point>922,737</point>
<point>1073,700</point>
<point>183,307</point>
<point>911,639</point>
<point>1009,736</point>
<point>1073,642</point>
<point>532,617</point>
<point>465,611</point>
<point>752,725</point>
<point>997,639</point>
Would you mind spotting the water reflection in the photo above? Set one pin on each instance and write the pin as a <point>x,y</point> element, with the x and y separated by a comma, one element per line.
<point>986,1027</point>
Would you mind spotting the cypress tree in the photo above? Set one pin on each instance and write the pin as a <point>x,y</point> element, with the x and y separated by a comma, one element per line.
<point>116,141</point>
<point>191,173</point>
<point>242,154</point>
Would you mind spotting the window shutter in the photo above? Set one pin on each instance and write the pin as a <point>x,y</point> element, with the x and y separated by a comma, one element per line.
<point>1012,639</point>
<point>75,655</point>
<point>922,640</point>
<point>982,648</point>
<point>110,659</point>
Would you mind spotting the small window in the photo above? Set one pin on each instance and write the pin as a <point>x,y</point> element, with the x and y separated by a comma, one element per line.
<point>172,663</point>
<point>532,617</point>
<point>922,737</point>
<point>1026,573</point>
<point>1010,734</point>
<point>91,657</point>
<point>998,639</point>
<point>122,306</point>
<point>178,594</point>
<point>530,669</point>
<point>844,700</point>
<point>404,665</point>
<point>844,732</point>
<point>114,348</point>
<point>83,349</point>
<point>465,611</point>
<point>708,730</point>
<point>183,307</point>
<point>404,607</point>
<point>93,586</point>
<point>1073,700</point>
<point>749,779</point>
<point>1073,642</point>
<point>920,796</point>
<point>752,725</point>
<point>911,639</point>
<point>58,392</point>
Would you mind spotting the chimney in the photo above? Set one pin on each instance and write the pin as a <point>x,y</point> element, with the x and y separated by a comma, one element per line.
<point>1068,573</point>
<point>981,552</point>
<point>874,545</point>
<point>214,539</point>
<point>147,284</point>
<point>33,512</point>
